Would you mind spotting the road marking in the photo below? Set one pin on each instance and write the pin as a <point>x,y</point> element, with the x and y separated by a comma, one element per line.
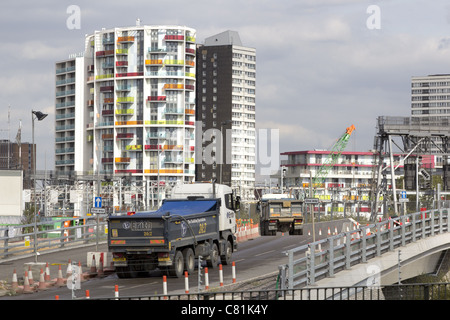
<point>260,254</point>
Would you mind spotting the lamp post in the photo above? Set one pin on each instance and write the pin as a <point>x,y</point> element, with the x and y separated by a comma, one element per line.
<point>223,123</point>
<point>40,116</point>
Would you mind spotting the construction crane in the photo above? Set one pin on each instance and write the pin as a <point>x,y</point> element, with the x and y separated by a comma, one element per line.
<point>333,156</point>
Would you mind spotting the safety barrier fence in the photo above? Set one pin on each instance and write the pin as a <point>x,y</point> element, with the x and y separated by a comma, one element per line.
<point>424,291</point>
<point>56,233</point>
<point>324,258</point>
<point>50,234</point>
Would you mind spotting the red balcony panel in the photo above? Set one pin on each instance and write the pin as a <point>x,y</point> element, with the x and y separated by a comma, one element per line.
<point>129,171</point>
<point>129,74</point>
<point>107,112</point>
<point>190,87</point>
<point>107,160</point>
<point>100,53</point>
<point>106,88</point>
<point>121,63</point>
<point>125,135</point>
<point>152,147</point>
<point>188,50</point>
<point>156,98</point>
<point>173,37</point>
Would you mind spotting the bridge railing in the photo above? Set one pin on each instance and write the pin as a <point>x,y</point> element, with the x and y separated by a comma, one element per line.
<point>324,258</point>
<point>50,234</point>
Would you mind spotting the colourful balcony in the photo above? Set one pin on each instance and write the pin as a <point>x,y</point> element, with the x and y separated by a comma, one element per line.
<point>190,63</point>
<point>154,62</point>
<point>134,147</point>
<point>106,89</point>
<point>125,100</point>
<point>108,100</point>
<point>189,111</point>
<point>190,39</point>
<point>174,37</point>
<point>122,160</point>
<point>121,63</point>
<point>190,87</point>
<point>129,74</point>
<point>129,171</point>
<point>156,98</point>
<point>174,86</point>
<point>125,39</point>
<point>104,76</point>
<point>90,103</point>
<point>107,160</point>
<point>121,51</point>
<point>108,136</point>
<point>107,112</point>
<point>174,62</point>
<point>125,112</point>
<point>127,135</point>
<point>190,51</point>
<point>129,123</point>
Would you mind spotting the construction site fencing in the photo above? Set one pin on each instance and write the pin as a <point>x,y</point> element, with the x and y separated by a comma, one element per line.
<point>423,291</point>
<point>324,258</point>
<point>51,234</point>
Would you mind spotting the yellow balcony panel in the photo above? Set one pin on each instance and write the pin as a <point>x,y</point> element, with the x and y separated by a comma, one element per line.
<point>121,51</point>
<point>125,111</point>
<point>176,62</point>
<point>135,147</point>
<point>125,100</point>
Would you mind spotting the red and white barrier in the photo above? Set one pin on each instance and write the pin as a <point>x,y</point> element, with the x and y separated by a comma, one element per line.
<point>247,232</point>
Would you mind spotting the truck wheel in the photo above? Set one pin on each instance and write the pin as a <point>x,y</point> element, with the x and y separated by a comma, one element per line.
<point>189,260</point>
<point>213,259</point>
<point>177,268</point>
<point>226,258</point>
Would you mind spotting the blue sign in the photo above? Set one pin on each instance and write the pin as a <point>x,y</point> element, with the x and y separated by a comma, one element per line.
<point>403,194</point>
<point>98,202</point>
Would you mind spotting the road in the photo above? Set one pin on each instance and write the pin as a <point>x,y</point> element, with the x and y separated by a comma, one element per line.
<point>260,256</point>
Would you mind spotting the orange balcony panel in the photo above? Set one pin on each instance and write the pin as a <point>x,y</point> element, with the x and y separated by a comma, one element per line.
<point>122,160</point>
<point>108,100</point>
<point>108,136</point>
<point>153,62</point>
<point>125,39</point>
<point>173,86</point>
<point>190,63</point>
<point>189,111</point>
<point>128,123</point>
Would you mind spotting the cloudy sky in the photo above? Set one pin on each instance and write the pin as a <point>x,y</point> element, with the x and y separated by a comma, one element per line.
<point>321,64</point>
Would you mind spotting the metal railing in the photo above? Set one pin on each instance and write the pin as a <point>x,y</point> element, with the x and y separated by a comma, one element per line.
<point>50,234</point>
<point>424,291</point>
<point>324,258</point>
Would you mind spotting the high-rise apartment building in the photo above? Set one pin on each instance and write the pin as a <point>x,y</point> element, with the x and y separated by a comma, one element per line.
<point>430,103</point>
<point>226,101</point>
<point>131,105</point>
<point>69,114</point>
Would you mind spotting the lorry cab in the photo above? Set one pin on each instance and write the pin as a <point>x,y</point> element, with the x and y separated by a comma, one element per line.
<point>228,204</point>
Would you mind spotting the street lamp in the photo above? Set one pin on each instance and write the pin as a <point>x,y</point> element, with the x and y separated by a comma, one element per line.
<point>223,123</point>
<point>40,116</point>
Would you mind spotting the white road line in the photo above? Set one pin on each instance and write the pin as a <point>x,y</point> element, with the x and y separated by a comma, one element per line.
<point>260,254</point>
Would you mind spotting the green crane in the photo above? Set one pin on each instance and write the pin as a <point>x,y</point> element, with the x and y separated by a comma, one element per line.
<point>332,157</point>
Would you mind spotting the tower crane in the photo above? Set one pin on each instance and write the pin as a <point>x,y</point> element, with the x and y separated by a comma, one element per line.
<point>331,159</point>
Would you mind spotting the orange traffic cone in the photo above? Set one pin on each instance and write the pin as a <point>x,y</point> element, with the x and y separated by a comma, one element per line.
<point>93,266</point>
<point>60,280</point>
<point>14,282</point>
<point>47,273</point>
<point>30,276</point>
<point>69,269</point>
<point>26,284</point>
<point>42,285</point>
<point>100,266</point>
